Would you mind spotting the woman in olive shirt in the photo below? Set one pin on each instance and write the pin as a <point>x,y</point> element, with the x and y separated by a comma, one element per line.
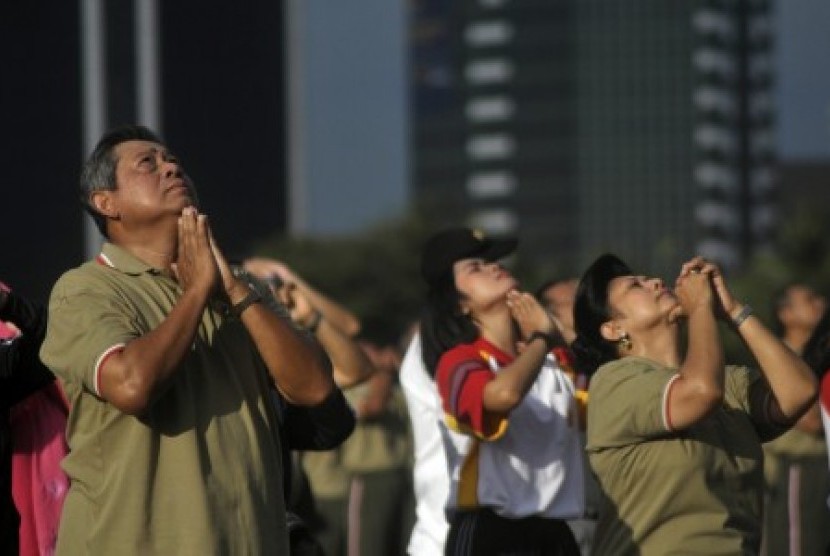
<point>675,439</point>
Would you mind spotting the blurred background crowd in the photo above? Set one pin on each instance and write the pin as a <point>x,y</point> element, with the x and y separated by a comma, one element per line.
<point>336,137</point>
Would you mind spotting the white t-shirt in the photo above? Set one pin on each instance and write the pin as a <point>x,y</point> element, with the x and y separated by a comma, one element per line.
<point>431,476</point>
<point>527,464</point>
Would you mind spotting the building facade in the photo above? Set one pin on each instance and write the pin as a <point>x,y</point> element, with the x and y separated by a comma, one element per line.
<point>494,118</point>
<point>640,128</point>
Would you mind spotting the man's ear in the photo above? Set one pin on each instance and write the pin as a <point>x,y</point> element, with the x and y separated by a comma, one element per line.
<point>105,204</point>
<point>611,331</point>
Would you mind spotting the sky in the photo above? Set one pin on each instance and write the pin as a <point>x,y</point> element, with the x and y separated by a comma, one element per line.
<point>348,112</point>
<point>803,79</point>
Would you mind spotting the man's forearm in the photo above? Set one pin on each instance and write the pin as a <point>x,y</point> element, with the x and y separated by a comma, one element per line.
<point>132,379</point>
<point>300,369</point>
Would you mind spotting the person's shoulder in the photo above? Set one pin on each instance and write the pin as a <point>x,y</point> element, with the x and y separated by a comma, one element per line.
<point>463,354</point>
<point>625,366</point>
<point>626,369</point>
<point>460,353</point>
<point>89,277</point>
<point>84,271</point>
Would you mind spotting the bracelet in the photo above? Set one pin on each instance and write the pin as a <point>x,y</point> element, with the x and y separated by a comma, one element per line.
<point>252,297</point>
<point>315,324</point>
<point>745,313</point>
<point>549,339</point>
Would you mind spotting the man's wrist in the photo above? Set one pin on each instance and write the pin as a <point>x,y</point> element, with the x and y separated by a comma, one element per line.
<point>250,298</point>
<point>238,291</point>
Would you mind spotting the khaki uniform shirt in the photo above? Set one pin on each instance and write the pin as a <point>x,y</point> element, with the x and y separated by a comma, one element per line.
<point>695,491</point>
<point>796,444</point>
<point>201,471</point>
<point>327,477</point>
<point>382,443</point>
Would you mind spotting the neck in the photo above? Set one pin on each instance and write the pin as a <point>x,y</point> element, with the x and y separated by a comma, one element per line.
<point>659,344</point>
<point>568,334</point>
<point>796,339</point>
<point>158,247</point>
<point>496,326</point>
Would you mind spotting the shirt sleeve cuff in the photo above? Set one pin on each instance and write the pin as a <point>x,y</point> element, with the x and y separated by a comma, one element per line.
<point>667,418</point>
<point>96,372</point>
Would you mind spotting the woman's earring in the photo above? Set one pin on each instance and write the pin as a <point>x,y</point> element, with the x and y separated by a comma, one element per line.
<point>625,341</point>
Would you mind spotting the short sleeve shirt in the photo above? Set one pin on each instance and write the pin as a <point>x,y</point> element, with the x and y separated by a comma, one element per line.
<point>201,471</point>
<point>695,491</point>
<point>528,462</point>
<point>383,442</point>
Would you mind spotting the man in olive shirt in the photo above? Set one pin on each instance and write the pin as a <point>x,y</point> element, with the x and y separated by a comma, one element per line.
<point>167,359</point>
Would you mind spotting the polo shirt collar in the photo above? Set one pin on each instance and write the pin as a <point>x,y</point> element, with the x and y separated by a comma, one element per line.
<point>120,259</point>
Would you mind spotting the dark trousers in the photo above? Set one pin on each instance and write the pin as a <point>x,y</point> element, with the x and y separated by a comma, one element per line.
<point>485,533</point>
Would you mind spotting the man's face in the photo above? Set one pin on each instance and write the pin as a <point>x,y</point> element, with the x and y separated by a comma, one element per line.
<point>803,308</point>
<point>150,182</point>
<point>559,300</point>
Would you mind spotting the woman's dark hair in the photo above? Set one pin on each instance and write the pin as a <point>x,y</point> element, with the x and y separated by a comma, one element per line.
<point>591,310</point>
<point>817,349</point>
<point>443,325</point>
<point>98,172</point>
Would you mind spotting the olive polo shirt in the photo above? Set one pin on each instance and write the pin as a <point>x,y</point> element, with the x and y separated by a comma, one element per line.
<point>382,443</point>
<point>695,491</point>
<point>201,471</point>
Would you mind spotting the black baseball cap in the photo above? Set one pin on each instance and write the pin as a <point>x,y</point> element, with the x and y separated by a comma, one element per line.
<point>443,249</point>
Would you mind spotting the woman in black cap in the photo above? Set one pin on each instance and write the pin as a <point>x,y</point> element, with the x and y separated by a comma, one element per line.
<point>510,428</point>
<point>675,440</point>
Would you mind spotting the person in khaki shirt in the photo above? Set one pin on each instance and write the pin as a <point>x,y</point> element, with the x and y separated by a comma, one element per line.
<point>168,360</point>
<point>675,440</point>
<point>795,464</point>
<point>322,500</point>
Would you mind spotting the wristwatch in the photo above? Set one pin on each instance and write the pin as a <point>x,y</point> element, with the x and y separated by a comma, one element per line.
<point>549,339</point>
<point>252,297</point>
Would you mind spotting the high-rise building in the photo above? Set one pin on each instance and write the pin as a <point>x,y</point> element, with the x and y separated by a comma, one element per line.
<point>635,120</point>
<point>734,135</point>
<point>638,127</point>
<point>494,118</point>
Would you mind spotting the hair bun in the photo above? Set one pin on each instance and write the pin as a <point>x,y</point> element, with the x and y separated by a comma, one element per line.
<point>588,357</point>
